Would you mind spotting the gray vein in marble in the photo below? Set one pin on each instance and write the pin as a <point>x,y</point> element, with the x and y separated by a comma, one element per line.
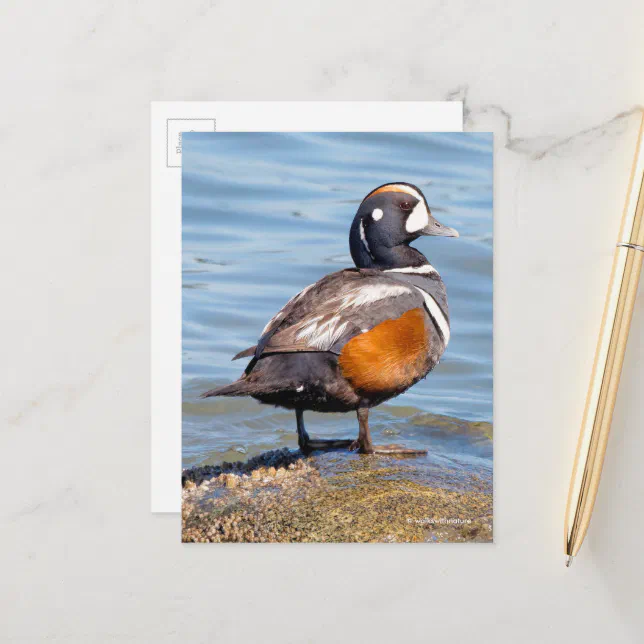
<point>535,148</point>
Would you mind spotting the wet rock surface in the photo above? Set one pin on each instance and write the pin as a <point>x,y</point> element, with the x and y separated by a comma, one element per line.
<point>282,496</point>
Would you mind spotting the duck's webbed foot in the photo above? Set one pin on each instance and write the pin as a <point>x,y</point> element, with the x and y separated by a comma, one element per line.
<point>370,448</point>
<point>397,450</point>
<point>364,444</point>
<point>325,443</point>
<point>308,444</point>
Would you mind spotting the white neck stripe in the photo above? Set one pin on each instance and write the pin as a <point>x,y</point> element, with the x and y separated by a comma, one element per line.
<point>364,239</point>
<point>436,314</point>
<point>425,269</point>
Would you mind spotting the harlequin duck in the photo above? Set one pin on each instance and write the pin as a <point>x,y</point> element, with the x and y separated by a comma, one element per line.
<point>363,335</point>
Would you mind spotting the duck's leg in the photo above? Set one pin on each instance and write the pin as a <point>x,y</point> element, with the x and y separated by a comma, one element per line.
<point>365,446</point>
<point>307,445</point>
<point>302,435</point>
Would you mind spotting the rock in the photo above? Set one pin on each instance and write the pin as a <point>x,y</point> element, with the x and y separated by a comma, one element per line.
<point>231,480</point>
<point>282,497</point>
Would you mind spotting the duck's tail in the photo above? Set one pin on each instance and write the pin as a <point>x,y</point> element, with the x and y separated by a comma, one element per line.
<point>238,388</point>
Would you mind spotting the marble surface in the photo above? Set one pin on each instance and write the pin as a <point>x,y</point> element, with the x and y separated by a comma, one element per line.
<point>82,558</point>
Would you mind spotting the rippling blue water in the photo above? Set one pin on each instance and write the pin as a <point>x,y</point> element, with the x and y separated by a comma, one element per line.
<point>266,214</point>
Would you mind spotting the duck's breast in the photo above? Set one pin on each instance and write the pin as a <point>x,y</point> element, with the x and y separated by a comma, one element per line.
<point>392,356</point>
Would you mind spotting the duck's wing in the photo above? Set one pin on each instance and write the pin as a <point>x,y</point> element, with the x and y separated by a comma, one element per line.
<point>327,314</point>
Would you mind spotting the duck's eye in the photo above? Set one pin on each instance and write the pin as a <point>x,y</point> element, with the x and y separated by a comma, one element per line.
<point>437,224</point>
<point>406,206</point>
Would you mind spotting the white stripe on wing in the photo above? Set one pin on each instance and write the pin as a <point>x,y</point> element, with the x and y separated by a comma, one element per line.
<point>278,317</point>
<point>324,334</point>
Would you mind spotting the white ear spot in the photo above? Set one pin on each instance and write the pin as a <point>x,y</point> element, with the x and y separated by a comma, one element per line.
<point>377,214</point>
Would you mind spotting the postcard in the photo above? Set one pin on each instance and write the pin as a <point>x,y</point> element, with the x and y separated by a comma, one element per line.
<point>337,337</point>
<point>168,123</point>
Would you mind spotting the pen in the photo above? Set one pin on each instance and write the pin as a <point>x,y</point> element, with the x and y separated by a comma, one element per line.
<point>609,358</point>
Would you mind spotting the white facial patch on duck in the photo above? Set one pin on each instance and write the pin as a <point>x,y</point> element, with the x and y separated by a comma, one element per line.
<point>363,238</point>
<point>418,218</point>
<point>377,214</point>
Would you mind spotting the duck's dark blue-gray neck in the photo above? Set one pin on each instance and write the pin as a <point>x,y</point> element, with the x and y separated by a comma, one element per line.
<point>379,256</point>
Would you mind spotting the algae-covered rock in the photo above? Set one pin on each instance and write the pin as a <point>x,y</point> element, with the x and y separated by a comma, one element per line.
<point>337,497</point>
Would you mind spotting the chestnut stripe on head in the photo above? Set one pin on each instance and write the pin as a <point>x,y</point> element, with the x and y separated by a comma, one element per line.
<point>395,187</point>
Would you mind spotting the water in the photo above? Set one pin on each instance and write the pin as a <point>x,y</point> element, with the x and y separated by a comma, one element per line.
<point>264,215</point>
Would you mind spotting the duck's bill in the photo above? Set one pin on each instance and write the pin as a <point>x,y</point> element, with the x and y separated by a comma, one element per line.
<point>437,229</point>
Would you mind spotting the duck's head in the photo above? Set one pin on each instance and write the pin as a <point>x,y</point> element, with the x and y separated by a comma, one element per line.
<point>388,220</point>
